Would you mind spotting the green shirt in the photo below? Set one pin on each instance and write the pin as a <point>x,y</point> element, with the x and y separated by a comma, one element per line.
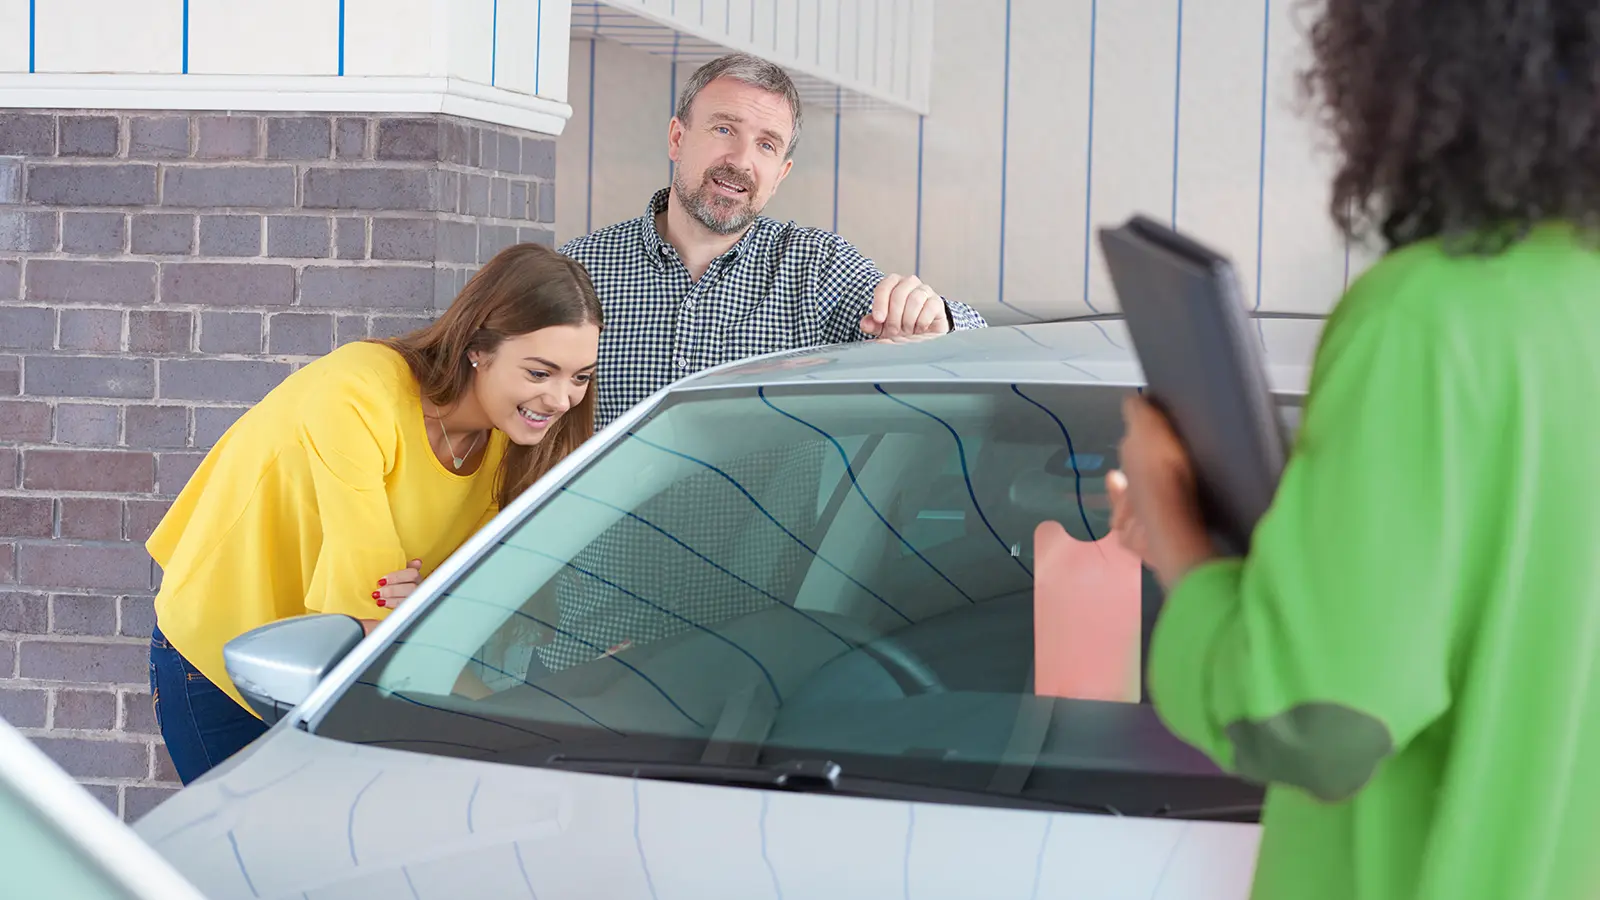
<point>1410,655</point>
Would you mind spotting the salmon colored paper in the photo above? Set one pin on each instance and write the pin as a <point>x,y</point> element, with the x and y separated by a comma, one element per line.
<point>1086,615</point>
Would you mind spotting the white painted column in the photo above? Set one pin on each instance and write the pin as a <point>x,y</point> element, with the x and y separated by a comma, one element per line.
<point>497,61</point>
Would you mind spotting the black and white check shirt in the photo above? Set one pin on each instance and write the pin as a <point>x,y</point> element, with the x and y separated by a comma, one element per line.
<point>781,287</point>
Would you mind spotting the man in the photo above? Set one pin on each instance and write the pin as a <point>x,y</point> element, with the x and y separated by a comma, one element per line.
<point>702,278</point>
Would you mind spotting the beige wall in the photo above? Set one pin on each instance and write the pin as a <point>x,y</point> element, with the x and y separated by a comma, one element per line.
<point>1173,123</point>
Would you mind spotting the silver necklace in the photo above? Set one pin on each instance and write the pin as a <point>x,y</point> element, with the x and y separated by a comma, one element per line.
<point>458,461</point>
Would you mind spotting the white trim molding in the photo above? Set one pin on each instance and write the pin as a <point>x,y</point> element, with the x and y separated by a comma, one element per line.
<point>287,93</point>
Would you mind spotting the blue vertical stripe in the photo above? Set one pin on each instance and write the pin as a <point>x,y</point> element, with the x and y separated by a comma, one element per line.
<point>538,42</point>
<point>1088,177</point>
<point>922,122</point>
<point>588,201</point>
<point>33,35</point>
<point>1177,114</point>
<point>838,120</point>
<point>1261,184</point>
<point>341,36</point>
<point>494,42</point>
<point>186,35</point>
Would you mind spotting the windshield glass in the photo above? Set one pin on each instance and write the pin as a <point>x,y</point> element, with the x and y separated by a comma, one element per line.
<point>841,573</point>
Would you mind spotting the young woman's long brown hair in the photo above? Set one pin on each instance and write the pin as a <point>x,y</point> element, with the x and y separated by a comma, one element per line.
<point>524,288</point>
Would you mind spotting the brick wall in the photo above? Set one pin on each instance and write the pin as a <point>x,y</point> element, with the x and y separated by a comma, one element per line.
<point>159,273</point>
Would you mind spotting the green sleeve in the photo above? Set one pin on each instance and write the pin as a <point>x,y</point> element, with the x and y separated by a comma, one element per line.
<point>1312,660</point>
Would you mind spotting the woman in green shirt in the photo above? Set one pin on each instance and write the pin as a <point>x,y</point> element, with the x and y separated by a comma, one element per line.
<point>1410,655</point>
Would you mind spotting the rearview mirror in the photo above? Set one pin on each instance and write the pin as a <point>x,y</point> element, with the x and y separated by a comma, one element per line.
<point>276,666</point>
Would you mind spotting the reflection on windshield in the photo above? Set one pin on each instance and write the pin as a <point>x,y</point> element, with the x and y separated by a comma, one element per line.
<point>759,575</point>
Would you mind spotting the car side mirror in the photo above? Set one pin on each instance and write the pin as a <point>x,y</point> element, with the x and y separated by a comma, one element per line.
<point>276,666</point>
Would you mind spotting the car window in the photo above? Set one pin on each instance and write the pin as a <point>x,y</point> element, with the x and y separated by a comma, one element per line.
<point>851,568</point>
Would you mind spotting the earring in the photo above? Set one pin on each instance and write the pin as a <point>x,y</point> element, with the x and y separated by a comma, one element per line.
<point>474,364</point>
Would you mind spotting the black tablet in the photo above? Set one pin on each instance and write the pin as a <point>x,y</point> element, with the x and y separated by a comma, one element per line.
<point>1204,367</point>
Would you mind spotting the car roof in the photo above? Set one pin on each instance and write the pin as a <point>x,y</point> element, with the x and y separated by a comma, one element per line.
<point>1080,351</point>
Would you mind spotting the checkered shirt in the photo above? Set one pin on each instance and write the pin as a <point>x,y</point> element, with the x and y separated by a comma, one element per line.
<point>781,287</point>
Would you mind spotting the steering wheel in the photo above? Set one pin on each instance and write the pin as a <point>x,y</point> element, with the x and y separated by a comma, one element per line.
<point>909,672</point>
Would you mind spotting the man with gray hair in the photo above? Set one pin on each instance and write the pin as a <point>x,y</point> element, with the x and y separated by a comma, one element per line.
<point>702,278</point>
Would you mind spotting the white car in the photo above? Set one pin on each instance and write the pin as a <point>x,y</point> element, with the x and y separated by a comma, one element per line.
<point>769,635</point>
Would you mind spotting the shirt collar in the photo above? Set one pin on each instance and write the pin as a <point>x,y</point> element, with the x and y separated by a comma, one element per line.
<point>656,247</point>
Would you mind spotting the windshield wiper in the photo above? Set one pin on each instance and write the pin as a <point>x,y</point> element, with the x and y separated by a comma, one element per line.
<point>811,776</point>
<point>1244,812</point>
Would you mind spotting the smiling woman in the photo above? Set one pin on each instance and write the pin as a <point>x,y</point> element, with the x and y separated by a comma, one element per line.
<point>364,470</point>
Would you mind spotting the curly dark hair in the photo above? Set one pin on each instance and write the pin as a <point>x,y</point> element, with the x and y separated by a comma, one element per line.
<point>1465,120</point>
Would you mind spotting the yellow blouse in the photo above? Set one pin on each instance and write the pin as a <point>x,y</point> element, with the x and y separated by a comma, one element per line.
<point>314,494</point>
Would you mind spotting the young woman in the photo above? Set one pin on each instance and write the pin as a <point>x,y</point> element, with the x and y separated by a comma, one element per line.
<point>1409,657</point>
<point>362,472</point>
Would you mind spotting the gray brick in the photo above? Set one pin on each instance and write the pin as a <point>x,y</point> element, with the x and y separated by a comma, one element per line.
<point>394,326</point>
<point>91,329</point>
<point>518,206</point>
<point>159,331</point>
<point>93,232</point>
<point>108,795</point>
<point>475,195</point>
<point>445,287</point>
<point>403,239</point>
<point>29,232</point>
<point>350,238</point>
<point>67,565</point>
<point>24,613</point>
<point>137,614</point>
<point>547,203</point>
<point>300,334</point>
<point>157,427</point>
<point>226,284</point>
<point>141,799</point>
<point>161,767</point>
<point>499,198</point>
<point>210,186</point>
<point>91,615</point>
<point>91,519</point>
<point>8,649</point>
<point>27,134</point>
<point>211,422</point>
<point>27,327</point>
<point>408,139</point>
<point>539,157</point>
<point>25,517</point>
<point>222,332</point>
<point>162,233</point>
<point>364,287</point>
<point>474,145</point>
<point>509,157</point>
<point>304,237</point>
<point>143,517</point>
<point>10,279</point>
<point>85,184</point>
<point>158,137</point>
<point>10,386</point>
<point>231,235</point>
<point>488,149</point>
<point>103,471</point>
<point>89,136</point>
<point>350,138</point>
<point>8,569</point>
<point>449,192</point>
<point>227,137</point>
<point>85,425</point>
<point>123,283</point>
<point>10,180</point>
<point>349,329</point>
<point>543,236</point>
<point>82,758</point>
<point>219,380</point>
<point>458,242</point>
<point>85,376</point>
<point>454,144</point>
<point>379,189</point>
<point>138,713</point>
<point>174,469</point>
<point>299,137</point>
<point>86,710</point>
<point>494,238</point>
<point>27,422</point>
<point>22,707</point>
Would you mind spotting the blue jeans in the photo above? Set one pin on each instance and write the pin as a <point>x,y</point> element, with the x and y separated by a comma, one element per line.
<point>202,725</point>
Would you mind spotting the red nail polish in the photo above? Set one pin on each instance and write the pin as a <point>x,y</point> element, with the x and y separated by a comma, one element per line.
<point>382,582</point>
<point>374,595</point>
<point>381,603</point>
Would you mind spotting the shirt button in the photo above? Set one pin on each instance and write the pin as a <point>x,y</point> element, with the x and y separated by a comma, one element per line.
<point>681,363</point>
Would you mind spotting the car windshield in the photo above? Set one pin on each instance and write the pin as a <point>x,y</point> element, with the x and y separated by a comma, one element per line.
<point>845,573</point>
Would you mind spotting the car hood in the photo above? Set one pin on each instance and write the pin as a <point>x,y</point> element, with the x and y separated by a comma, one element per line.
<point>304,817</point>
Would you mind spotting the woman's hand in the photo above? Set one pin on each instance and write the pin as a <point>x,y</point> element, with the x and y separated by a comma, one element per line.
<point>395,587</point>
<point>1155,510</point>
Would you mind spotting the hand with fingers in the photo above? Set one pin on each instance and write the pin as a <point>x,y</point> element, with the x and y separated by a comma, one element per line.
<point>395,587</point>
<point>1155,509</point>
<point>902,305</point>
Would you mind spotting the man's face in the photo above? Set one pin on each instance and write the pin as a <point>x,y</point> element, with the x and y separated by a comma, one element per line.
<point>730,156</point>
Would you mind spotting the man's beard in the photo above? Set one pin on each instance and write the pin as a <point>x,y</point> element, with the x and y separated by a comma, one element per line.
<point>718,213</point>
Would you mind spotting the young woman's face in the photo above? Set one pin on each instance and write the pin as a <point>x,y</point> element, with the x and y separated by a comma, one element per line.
<point>531,380</point>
